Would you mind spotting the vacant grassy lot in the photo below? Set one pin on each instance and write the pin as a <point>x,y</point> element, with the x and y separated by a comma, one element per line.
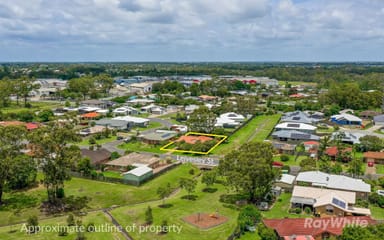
<point>140,147</point>
<point>97,218</point>
<point>35,106</point>
<point>85,141</point>
<point>102,194</point>
<point>257,129</point>
<point>205,203</point>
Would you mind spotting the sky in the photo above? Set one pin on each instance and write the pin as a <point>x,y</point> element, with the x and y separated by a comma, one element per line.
<point>191,30</point>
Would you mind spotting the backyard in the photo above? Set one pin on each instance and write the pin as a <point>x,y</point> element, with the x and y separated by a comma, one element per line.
<point>258,129</point>
<point>23,204</point>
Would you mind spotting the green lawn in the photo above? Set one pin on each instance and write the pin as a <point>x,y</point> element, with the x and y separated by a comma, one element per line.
<point>250,236</point>
<point>379,168</point>
<point>151,125</point>
<point>280,208</point>
<point>377,212</point>
<point>141,147</point>
<point>257,129</point>
<point>97,218</point>
<point>205,203</point>
<point>102,194</point>
<point>85,141</point>
<point>112,174</point>
<point>13,108</point>
<point>291,161</point>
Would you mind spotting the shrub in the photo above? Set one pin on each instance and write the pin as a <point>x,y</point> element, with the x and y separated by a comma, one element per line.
<point>90,227</point>
<point>33,224</point>
<point>60,193</point>
<point>62,231</point>
<point>249,216</point>
<point>92,140</point>
<point>284,158</point>
<point>70,220</point>
<point>191,171</point>
<point>148,216</point>
<point>307,210</point>
<point>298,210</point>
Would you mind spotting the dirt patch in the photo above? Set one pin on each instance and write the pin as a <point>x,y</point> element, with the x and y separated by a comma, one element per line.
<point>205,220</point>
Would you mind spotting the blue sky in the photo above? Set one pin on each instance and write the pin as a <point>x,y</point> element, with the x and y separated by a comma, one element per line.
<point>192,30</point>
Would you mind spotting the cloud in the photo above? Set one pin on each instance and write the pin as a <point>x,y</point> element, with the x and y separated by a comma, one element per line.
<point>238,29</point>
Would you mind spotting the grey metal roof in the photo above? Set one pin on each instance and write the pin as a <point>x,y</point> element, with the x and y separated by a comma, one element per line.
<point>297,116</point>
<point>293,134</point>
<point>378,118</point>
<point>111,122</point>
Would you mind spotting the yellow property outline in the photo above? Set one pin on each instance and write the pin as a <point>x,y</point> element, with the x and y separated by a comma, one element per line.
<point>164,148</point>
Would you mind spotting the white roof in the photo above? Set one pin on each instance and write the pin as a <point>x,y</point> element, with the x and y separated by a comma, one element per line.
<point>102,111</point>
<point>88,109</point>
<point>131,119</point>
<point>121,110</point>
<point>287,178</point>
<point>232,115</point>
<point>346,116</point>
<point>140,100</point>
<point>220,121</point>
<point>318,178</point>
<point>139,171</point>
<point>290,125</point>
<point>322,194</point>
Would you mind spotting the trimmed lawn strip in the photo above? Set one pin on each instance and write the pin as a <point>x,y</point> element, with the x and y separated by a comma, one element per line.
<point>205,203</point>
<point>377,212</point>
<point>85,141</point>
<point>246,132</point>
<point>97,218</point>
<point>280,208</point>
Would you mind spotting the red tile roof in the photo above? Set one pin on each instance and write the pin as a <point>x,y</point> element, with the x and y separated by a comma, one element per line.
<point>194,139</point>
<point>332,151</point>
<point>311,143</point>
<point>90,115</point>
<point>315,226</point>
<point>31,126</point>
<point>374,155</point>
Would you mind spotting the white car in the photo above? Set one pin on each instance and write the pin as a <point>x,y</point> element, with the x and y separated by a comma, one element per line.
<point>380,192</point>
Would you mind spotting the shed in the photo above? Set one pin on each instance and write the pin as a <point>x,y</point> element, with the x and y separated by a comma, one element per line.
<point>139,174</point>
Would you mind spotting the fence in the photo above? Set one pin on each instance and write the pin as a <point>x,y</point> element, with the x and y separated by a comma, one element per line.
<point>102,178</point>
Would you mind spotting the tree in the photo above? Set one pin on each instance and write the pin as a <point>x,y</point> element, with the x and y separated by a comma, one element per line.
<point>371,143</point>
<point>246,105</point>
<point>45,115</point>
<point>209,177</point>
<point>308,164</point>
<point>164,192</point>
<point>11,142</point>
<point>83,86</point>
<point>324,143</point>
<point>164,227</point>
<point>249,216</point>
<point>188,184</point>
<point>249,169</point>
<point>355,167</point>
<point>105,81</point>
<point>6,89</point>
<point>202,120</point>
<point>51,147</point>
<point>70,220</point>
<point>148,215</point>
<point>24,86</point>
<point>23,172</point>
<point>266,233</point>
<point>84,166</point>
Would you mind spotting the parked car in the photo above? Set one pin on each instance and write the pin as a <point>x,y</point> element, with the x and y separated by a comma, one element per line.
<point>370,164</point>
<point>380,192</point>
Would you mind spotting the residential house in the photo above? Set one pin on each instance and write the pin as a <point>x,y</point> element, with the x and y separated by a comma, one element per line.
<point>284,148</point>
<point>332,152</point>
<point>314,228</point>
<point>229,120</point>
<point>327,202</point>
<point>207,98</point>
<point>113,123</point>
<point>332,181</point>
<point>92,130</point>
<point>97,157</point>
<point>154,109</point>
<point>97,103</point>
<point>134,121</point>
<point>285,182</point>
<point>368,114</point>
<point>190,108</point>
<point>294,136</point>
<point>124,111</point>
<point>347,137</point>
<point>179,128</point>
<point>298,117</point>
<point>143,87</point>
<point>125,162</point>
<point>302,127</point>
<point>376,157</point>
<point>379,120</point>
<point>140,101</point>
<point>158,137</point>
<point>346,119</point>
